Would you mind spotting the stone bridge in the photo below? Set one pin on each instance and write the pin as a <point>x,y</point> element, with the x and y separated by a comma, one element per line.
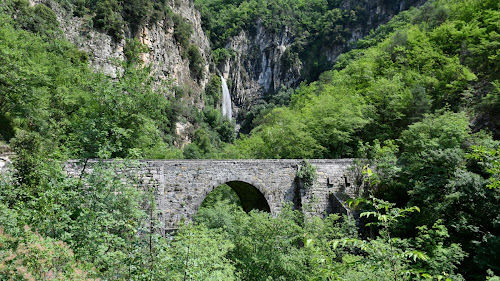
<point>180,186</point>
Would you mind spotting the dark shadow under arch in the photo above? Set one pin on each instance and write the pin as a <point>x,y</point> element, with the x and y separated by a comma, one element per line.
<point>251,198</point>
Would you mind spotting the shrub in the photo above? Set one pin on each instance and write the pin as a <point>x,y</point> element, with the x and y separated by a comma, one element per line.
<point>182,31</point>
<point>195,61</point>
<point>133,48</point>
<point>33,257</point>
<point>306,174</point>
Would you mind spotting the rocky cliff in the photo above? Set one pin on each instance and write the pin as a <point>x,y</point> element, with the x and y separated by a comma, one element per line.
<point>263,61</point>
<point>165,53</point>
<point>262,64</point>
<point>256,67</point>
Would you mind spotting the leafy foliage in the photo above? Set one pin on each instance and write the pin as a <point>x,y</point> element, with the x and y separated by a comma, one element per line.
<point>489,158</point>
<point>307,174</point>
<point>132,50</point>
<point>195,62</point>
<point>33,257</point>
<point>96,214</point>
<point>267,247</point>
<point>316,24</point>
<point>433,172</point>
<point>197,253</point>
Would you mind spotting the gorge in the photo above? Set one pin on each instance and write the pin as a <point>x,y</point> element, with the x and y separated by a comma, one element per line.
<point>412,87</point>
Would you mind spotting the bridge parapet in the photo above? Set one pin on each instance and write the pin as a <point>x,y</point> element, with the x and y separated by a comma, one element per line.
<point>180,186</point>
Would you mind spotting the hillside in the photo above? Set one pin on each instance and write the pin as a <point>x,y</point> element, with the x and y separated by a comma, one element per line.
<point>416,95</point>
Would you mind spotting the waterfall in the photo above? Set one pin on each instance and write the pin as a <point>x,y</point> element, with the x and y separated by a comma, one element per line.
<point>226,100</point>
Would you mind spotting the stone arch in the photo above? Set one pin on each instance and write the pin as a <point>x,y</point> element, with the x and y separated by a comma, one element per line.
<point>250,194</point>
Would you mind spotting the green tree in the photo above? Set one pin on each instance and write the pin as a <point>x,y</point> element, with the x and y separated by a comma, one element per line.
<point>284,135</point>
<point>33,257</point>
<point>490,158</point>
<point>197,253</point>
<point>434,173</point>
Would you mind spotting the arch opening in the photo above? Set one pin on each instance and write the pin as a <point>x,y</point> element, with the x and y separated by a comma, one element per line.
<point>240,193</point>
<point>250,197</point>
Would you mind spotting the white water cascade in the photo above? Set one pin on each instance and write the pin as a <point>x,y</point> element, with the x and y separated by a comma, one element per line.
<point>226,100</point>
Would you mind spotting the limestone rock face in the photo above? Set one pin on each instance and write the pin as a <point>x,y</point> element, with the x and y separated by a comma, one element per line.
<point>164,56</point>
<point>263,60</point>
<point>165,52</point>
<point>103,50</point>
<point>257,68</point>
<point>260,64</point>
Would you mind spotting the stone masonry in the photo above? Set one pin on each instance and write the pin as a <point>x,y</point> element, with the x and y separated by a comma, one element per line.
<point>180,186</point>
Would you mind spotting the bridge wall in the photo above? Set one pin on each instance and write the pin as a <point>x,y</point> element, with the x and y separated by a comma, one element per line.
<point>180,186</point>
